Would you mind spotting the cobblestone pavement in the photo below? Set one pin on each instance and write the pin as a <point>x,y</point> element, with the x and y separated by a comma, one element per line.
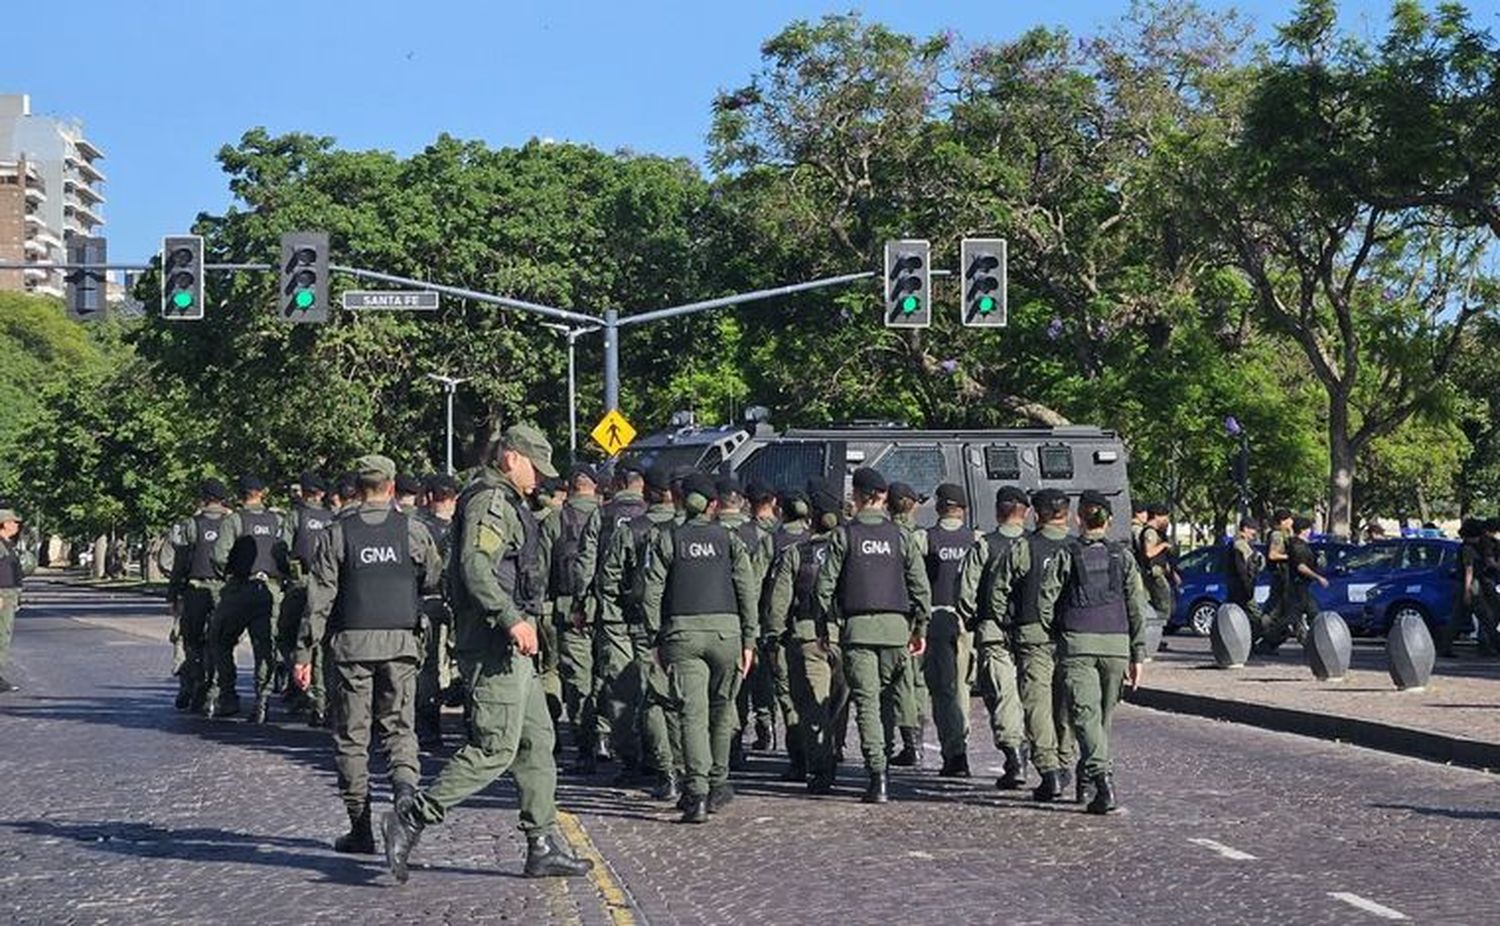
<point>120,810</point>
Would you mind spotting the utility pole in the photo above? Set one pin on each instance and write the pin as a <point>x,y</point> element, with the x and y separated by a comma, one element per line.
<point>572,334</point>
<point>450,385</point>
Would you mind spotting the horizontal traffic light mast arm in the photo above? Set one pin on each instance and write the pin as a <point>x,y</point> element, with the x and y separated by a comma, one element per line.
<point>20,265</point>
<point>475,295</point>
<point>720,303</point>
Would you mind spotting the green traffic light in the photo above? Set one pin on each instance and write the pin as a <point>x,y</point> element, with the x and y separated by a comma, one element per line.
<point>303,299</point>
<point>182,299</point>
<point>909,304</point>
<point>986,305</point>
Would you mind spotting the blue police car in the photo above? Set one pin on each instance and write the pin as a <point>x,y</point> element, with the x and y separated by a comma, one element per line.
<point>1422,582</point>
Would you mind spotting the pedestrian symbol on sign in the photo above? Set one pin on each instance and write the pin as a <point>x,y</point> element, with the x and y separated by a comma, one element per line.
<point>613,432</point>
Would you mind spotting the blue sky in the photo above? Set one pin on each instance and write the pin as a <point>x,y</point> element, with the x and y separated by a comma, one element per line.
<point>392,75</point>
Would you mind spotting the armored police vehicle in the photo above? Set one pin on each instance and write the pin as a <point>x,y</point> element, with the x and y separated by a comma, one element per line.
<point>1072,458</point>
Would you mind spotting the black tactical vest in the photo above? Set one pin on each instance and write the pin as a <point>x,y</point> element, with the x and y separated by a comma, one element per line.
<point>700,580</point>
<point>10,566</point>
<point>814,553</point>
<point>618,513</point>
<point>633,583</point>
<point>997,547</point>
<point>946,550</point>
<point>441,530</point>
<point>780,540</point>
<point>254,550</point>
<point>519,571</point>
<point>1237,590</point>
<point>564,580</point>
<point>311,522</point>
<point>873,580</point>
<point>1043,548</point>
<point>379,586</point>
<point>1299,553</point>
<point>201,556</point>
<point>1094,600</point>
<point>1146,562</point>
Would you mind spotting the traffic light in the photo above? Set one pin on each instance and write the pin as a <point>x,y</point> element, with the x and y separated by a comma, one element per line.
<point>304,277</point>
<point>983,262</point>
<point>908,288</point>
<point>182,277</point>
<point>85,287</point>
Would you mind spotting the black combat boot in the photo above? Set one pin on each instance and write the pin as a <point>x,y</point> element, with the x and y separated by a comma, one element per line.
<point>667,789</point>
<point>6,686</point>
<point>1013,776</point>
<point>221,708</point>
<point>547,858</point>
<point>694,809</point>
<point>1050,789</point>
<point>796,769</point>
<point>955,767</point>
<point>877,792</point>
<point>585,764</point>
<point>763,737</point>
<point>401,829</point>
<point>736,755</point>
<point>316,717</point>
<point>719,797</point>
<point>1103,801</point>
<point>821,782</point>
<point>360,840</point>
<point>1084,791</point>
<point>258,714</point>
<point>1064,781</point>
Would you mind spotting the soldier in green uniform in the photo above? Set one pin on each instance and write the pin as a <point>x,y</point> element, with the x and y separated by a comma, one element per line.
<point>874,582</point>
<point>497,586</point>
<point>365,581</point>
<point>948,664</point>
<point>1244,565</point>
<point>768,681</point>
<point>1044,697</point>
<point>902,501</point>
<point>986,605</point>
<point>309,519</point>
<point>700,610</point>
<point>731,513</point>
<point>775,649</point>
<point>408,492</point>
<point>1140,513</point>
<point>15,564</point>
<point>1153,552</point>
<point>1273,619</point>
<point>252,555</point>
<point>648,720</point>
<point>546,501</point>
<point>1093,601</point>
<point>815,664</point>
<point>193,591</point>
<point>613,651</point>
<point>441,497</point>
<point>1300,608</point>
<point>562,536</point>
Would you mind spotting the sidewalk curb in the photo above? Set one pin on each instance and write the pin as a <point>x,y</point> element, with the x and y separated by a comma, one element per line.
<point>1418,744</point>
<point>140,588</point>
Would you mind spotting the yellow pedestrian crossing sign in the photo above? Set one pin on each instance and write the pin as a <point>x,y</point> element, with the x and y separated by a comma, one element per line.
<point>613,432</point>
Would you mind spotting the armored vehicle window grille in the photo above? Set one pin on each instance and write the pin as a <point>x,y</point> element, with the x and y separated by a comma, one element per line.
<point>1056,462</point>
<point>922,468</point>
<point>785,466</point>
<point>670,457</point>
<point>1002,464</point>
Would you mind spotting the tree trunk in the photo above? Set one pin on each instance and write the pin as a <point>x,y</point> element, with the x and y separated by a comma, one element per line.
<point>1340,468</point>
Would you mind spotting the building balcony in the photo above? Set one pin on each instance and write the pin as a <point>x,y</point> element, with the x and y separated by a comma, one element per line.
<point>35,194</point>
<point>36,247</point>
<point>88,171</point>
<point>85,216</point>
<point>45,236</point>
<point>87,149</point>
<point>82,190</point>
<point>35,273</point>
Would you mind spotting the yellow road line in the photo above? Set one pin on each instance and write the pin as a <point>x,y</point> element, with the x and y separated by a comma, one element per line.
<point>616,901</point>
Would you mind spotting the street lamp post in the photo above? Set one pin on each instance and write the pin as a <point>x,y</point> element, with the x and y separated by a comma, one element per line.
<point>450,385</point>
<point>1241,464</point>
<point>572,334</point>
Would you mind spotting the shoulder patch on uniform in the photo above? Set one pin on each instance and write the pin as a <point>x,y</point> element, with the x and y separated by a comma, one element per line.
<point>488,539</point>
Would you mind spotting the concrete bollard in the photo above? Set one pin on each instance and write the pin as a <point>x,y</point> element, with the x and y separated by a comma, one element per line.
<point>1230,636</point>
<point>1329,647</point>
<point>1411,652</point>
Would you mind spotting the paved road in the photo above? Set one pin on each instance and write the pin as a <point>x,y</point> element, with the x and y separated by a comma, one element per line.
<point>120,810</point>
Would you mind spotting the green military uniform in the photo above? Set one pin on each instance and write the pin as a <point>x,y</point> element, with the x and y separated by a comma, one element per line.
<point>985,604</point>
<point>772,665</point>
<point>1273,620</point>
<point>754,694</point>
<point>365,579</point>
<point>307,522</point>
<point>1092,599</point>
<point>947,666</point>
<point>645,720</point>
<point>254,572</point>
<point>496,580</point>
<point>575,645</point>
<point>1245,563</point>
<point>15,563</point>
<point>193,587</point>
<point>437,634</point>
<point>1298,606</point>
<point>814,660</point>
<point>1157,572</point>
<point>700,611</point>
<point>546,632</point>
<point>613,649</point>
<point>908,717</point>
<point>880,604</point>
<point>1044,695</point>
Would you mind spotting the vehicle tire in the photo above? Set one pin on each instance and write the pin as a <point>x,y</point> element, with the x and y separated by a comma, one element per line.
<point>1393,614</point>
<point>1201,617</point>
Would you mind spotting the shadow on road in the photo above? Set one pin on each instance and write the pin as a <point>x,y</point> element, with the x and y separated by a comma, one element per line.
<point>1451,813</point>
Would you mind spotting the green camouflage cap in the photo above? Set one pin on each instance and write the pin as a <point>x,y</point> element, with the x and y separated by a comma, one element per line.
<point>529,441</point>
<point>8,514</point>
<point>376,465</point>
